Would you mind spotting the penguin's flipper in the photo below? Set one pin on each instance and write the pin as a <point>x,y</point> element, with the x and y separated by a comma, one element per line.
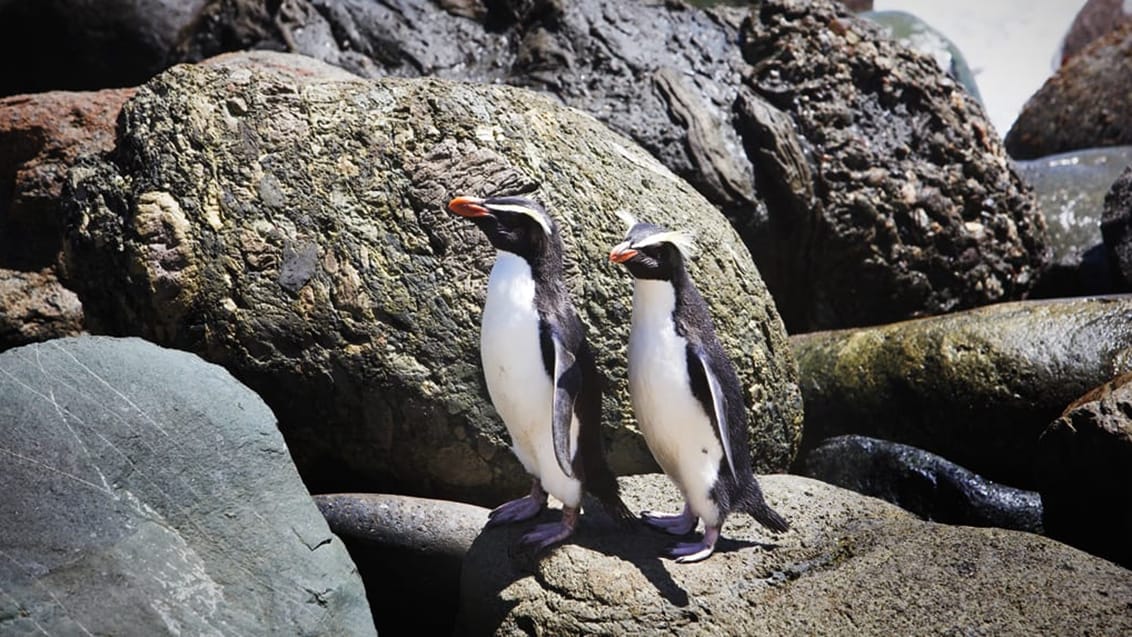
<point>719,415</point>
<point>567,382</point>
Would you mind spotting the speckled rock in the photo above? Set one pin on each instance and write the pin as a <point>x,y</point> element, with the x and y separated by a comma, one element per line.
<point>975,387</point>
<point>876,193</point>
<point>921,482</point>
<point>407,550</point>
<point>1095,19</point>
<point>1084,472</point>
<point>35,307</point>
<point>849,565</point>
<point>286,220</point>
<point>1085,104</point>
<point>914,33</point>
<point>147,492</point>
<point>889,194</point>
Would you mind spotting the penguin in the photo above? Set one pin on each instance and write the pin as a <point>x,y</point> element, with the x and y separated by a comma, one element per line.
<point>686,394</point>
<point>540,372</point>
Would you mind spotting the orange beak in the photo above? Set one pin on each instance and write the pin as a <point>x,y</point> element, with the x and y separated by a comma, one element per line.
<point>622,253</point>
<point>468,207</point>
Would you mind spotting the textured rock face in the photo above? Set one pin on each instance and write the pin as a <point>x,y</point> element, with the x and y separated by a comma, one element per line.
<point>35,307</point>
<point>1095,19</point>
<point>921,482</point>
<point>288,222</point>
<point>409,552</point>
<point>976,387</point>
<point>1084,105</point>
<point>1116,228</point>
<point>88,44</point>
<point>863,180</point>
<point>901,202</point>
<point>147,492</point>
<point>40,137</point>
<point>1085,472</point>
<point>849,565</point>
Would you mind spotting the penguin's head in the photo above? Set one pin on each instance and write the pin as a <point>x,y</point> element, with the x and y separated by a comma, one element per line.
<point>650,251</point>
<point>514,224</point>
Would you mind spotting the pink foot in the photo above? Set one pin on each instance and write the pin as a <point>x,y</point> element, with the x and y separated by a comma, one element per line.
<point>686,552</point>
<point>544,535</point>
<point>681,524</point>
<point>518,510</point>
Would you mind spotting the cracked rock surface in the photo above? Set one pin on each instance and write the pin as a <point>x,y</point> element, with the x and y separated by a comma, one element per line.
<point>148,492</point>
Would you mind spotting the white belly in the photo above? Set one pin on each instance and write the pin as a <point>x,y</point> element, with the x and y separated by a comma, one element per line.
<point>676,428</point>
<point>517,381</point>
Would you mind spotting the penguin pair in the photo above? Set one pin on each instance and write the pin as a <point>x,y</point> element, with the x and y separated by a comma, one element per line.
<point>543,381</point>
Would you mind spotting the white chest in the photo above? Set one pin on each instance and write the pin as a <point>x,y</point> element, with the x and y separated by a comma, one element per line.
<point>677,429</point>
<point>517,380</point>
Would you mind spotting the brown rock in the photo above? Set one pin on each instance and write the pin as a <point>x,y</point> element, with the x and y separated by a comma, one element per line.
<point>1085,472</point>
<point>1095,19</point>
<point>41,135</point>
<point>1085,104</point>
<point>35,307</point>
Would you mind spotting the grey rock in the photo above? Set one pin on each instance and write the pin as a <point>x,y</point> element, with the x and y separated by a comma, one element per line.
<point>147,492</point>
<point>1116,228</point>
<point>286,220</point>
<point>849,565</point>
<point>88,44</point>
<point>921,482</point>
<point>975,387</point>
<point>1084,472</point>
<point>1071,189</point>
<point>1085,104</point>
<point>409,552</point>
<point>913,211</point>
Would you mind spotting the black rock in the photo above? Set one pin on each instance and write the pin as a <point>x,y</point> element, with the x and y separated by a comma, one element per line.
<point>928,485</point>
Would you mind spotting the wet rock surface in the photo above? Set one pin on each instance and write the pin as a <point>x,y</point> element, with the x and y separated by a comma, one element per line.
<point>1084,105</point>
<point>921,482</point>
<point>146,491</point>
<point>1116,228</point>
<point>1071,189</point>
<point>286,220</point>
<point>1084,472</point>
<point>409,552</point>
<point>975,387</point>
<point>849,565</point>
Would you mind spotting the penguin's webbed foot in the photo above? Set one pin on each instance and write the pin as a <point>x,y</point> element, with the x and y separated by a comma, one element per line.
<point>687,552</point>
<point>544,535</point>
<point>518,510</point>
<point>680,524</point>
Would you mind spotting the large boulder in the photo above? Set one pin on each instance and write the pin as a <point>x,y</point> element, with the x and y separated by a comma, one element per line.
<point>1085,104</point>
<point>849,565</point>
<point>287,220</point>
<point>1095,19</point>
<point>148,492</point>
<point>1084,472</point>
<point>921,482</point>
<point>976,387</point>
<point>867,184</point>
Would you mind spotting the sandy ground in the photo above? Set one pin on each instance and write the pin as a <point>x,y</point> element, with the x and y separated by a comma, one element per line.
<point>1010,45</point>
